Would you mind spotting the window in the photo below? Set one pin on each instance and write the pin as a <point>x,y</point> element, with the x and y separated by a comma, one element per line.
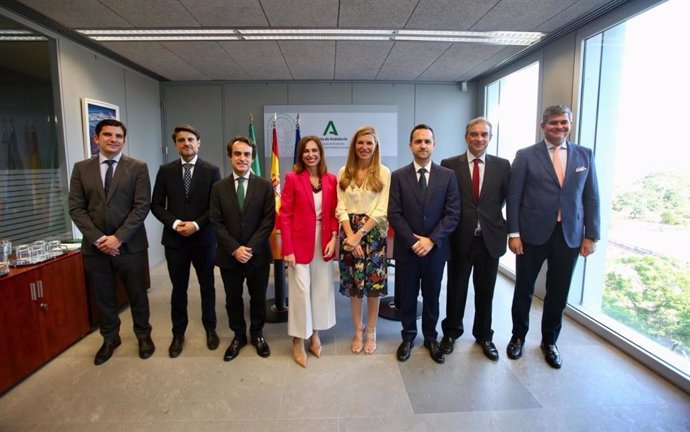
<point>634,92</point>
<point>516,96</point>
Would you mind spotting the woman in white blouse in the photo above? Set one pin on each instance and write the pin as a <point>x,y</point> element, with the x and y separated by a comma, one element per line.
<point>363,187</point>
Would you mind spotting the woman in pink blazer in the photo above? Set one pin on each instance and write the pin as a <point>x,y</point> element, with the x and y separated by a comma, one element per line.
<point>309,232</point>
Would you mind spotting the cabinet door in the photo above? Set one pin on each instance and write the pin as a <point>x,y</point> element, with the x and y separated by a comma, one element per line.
<point>63,306</point>
<point>21,346</point>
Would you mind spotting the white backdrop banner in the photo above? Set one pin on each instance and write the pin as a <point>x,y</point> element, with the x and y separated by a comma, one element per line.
<point>333,124</point>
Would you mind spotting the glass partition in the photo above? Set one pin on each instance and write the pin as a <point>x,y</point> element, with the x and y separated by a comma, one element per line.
<point>33,179</point>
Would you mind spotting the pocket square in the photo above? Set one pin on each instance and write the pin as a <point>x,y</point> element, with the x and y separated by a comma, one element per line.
<point>580,169</point>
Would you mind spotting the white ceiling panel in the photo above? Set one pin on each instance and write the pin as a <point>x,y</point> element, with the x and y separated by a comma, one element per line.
<point>515,15</point>
<point>260,60</point>
<point>408,60</point>
<point>226,13</point>
<point>78,13</point>
<point>457,61</point>
<point>356,60</point>
<point>384,14</point>
<point>301,13</point>
<point>449,14</point>
<point>565,16</point>
<point>209,58</point>
<point>154,56</point>
<point>158,13</point>
<point>310,60</point>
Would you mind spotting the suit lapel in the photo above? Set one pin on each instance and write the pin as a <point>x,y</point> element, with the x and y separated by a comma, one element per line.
<point>94,173</point>
<point>463,172</point>
<point>250,187</point>
<point>305,184</point>
<point>413,184</point>
<point>545,159</point>
<point>120,172</point>
<point>198,169</point>
<point>570,163</point>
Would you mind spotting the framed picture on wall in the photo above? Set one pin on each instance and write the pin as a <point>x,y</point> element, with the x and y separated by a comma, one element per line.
<point>94,111</point>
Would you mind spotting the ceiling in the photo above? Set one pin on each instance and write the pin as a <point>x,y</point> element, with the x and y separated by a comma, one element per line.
<point>315,60</point>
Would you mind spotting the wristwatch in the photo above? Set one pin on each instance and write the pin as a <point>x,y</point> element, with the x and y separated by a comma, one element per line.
<point>363,231</point>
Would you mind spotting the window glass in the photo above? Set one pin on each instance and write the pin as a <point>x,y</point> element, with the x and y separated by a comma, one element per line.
<point>511,106</point>
<point>33,188</point>
<point>634,87</point>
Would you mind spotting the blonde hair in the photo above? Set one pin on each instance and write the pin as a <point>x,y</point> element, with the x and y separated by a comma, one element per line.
<point>373,179</point>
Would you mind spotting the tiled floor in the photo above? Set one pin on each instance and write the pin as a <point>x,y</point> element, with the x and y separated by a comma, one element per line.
<point>598,389</point>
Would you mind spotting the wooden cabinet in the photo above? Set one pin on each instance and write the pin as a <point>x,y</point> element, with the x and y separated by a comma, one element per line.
<point>44,310</point>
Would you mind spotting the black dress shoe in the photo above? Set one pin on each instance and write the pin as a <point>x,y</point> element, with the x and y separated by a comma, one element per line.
<point>212,340</point>
<point>404,350</point>
<point>261,345</point>
<point>514,349</point>
<point>234,348</point>
<point>106,351</point>
<point>176,346</point>
<point>435,351</point>
<point>447,344</point>
<point>146,348</point>
<point>552,356</point>
<point>489,350</point>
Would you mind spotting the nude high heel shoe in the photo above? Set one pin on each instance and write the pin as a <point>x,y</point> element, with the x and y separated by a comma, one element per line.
<point>315,344</point>
<point>298,352</point>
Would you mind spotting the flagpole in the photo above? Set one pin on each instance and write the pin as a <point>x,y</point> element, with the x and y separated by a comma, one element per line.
<point>276,309</point>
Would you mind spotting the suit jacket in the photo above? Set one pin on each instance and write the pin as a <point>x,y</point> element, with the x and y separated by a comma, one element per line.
<point>488,210</point>
<point>169,202</point>
<point>535,196</point>
<point>121,213</point>
<point>298,215</point>
<point>250,226</point>
<point>433,214</point>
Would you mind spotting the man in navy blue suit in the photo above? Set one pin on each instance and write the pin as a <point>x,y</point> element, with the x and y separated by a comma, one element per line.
<point>553,215</point>
<point>423,209</point>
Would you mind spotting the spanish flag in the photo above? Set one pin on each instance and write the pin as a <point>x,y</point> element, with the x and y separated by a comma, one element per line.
<point>275,167</point>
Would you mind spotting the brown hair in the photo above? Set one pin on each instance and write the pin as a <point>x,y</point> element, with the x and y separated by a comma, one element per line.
<point>298,167</point>
<point>185,128</point>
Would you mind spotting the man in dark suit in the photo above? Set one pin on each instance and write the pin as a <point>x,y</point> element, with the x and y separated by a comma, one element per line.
<point>480,238</point>
<point>423,208</point>
<point>180,201</point>
<point>553,214</point>
<point>242,215</point>
<point>108,201</point>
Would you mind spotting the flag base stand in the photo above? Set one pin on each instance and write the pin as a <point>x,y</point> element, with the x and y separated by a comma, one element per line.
<point>276,309</point>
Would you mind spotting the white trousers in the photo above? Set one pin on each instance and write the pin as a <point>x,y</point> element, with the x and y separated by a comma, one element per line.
<point>311,292</point>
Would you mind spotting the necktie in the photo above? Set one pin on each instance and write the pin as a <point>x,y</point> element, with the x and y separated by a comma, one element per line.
<point>422,178</point>
<point>240,191</point>
<point>108,175</point>
<point>475,179</point>
<point>558,167</point>
<point>187,177</point>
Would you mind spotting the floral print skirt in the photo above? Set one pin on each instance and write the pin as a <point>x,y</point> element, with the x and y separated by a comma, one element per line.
<point>367,276</point>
